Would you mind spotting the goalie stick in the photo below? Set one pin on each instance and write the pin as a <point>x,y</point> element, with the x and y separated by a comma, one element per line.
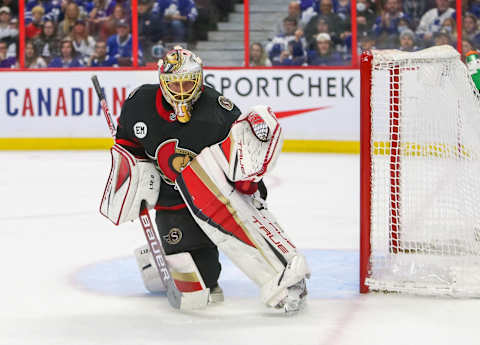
<point>175,297</point>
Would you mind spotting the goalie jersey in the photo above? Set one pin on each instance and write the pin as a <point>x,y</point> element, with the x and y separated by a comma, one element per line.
<point>147,127</point>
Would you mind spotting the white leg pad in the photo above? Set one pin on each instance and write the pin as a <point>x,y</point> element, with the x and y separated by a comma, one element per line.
<point>184,272</point>
<point>149,272</point>
<point>255,243</point>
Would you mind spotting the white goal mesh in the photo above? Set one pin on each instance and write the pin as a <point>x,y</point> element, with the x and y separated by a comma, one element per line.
<point>425,174</point>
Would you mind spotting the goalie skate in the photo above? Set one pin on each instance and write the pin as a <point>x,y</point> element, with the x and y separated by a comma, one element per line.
<point>295,301</point>
<point>216,295</point>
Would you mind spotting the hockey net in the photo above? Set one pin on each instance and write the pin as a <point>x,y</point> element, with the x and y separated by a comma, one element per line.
<point>420,174</point>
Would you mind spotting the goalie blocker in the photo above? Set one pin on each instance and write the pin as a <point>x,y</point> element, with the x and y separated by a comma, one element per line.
<point>239,223</point>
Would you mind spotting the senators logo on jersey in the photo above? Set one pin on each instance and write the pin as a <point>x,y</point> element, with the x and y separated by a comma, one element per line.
<point>172,159</point>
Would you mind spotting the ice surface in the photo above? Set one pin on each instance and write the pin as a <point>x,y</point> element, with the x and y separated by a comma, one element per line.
<point>68,275</point>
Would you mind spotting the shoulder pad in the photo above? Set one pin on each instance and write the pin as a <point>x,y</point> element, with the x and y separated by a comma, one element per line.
<point>131,94</point>
<point>145,89</point>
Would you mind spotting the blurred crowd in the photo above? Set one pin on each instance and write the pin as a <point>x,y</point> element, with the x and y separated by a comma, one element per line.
<point>94,33</point>
<point>318,32</point>
<point>97,33</point>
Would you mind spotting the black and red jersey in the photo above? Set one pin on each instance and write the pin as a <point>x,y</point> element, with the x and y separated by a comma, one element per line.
<point>147,126</point>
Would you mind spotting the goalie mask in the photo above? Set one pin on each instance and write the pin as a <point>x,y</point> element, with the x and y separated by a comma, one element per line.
<point>181,80</point>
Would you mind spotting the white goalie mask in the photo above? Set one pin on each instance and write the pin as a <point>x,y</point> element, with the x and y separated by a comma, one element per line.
<point>181,80</point>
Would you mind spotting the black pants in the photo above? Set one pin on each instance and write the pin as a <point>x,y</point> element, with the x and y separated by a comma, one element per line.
<point>180,233</point>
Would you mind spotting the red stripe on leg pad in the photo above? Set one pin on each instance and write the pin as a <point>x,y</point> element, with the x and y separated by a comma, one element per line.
<point>226,145</point>
<point>211,206</point>
<point>123,173</point>
<point>185,286</point>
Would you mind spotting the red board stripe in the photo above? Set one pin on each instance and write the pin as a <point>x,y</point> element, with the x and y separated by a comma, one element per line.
<point>208,203</point>
<point>288,113</point>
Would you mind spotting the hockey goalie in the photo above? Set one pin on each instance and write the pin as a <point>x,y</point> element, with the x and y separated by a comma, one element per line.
<point>186,151</point>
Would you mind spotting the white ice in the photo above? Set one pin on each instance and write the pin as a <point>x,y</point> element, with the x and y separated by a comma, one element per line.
<point>68,275</point>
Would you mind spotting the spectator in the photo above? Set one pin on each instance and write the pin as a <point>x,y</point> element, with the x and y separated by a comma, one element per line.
<point>322,27</point>
<point>342,9</point>
<point>474,7</point>
<point>407,41</point>
<point>470,29</point>
<point>86,6</point>
<point>258,56</point>
<point>403,24</point>
<point>32,60</point>
<point>306,4</point>
<point>12,5</point>
<point>149,26</point>
<point>365,16</point>
<point>47,43</point>
<point>7,33</point>
<point>13,45</point>
<point>386,25</point>
<point>309,9</point>
<point>278,49</point>
<point>100,58</point>
<point>83,43</point>
<point>365,42</point>
<point>67,58</point>
<point>294,11</point>
<point>52,9</point>
<point>323,54</point>
<point>72,14</point>
<point>6,62</point>
<point>450,26</point>
<point>294,55</point>
<point>120,45</point>
<point>207,19</point>
<point>178,17</point>
<point>224,7</point>
<point>466,47</point>
<point>335,23</point>
<point>442,38</point>
<point>432,20</point>
<point>34,29</point>
<point>109,26</point>
<point>114,3</point>
<point>414,9</point>
<point>97,16</point>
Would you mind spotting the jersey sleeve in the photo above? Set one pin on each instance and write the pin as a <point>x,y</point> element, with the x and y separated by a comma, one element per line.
<point>125,136</point>
<point>229,113</point>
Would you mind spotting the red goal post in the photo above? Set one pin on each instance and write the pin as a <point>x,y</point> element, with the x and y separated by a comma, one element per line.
<point>420,174</point>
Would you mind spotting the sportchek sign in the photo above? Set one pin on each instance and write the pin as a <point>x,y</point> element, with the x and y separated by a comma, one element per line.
<point>311,104</point>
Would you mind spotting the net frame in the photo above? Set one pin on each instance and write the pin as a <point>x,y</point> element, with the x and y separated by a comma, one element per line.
<point>396,62</point>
